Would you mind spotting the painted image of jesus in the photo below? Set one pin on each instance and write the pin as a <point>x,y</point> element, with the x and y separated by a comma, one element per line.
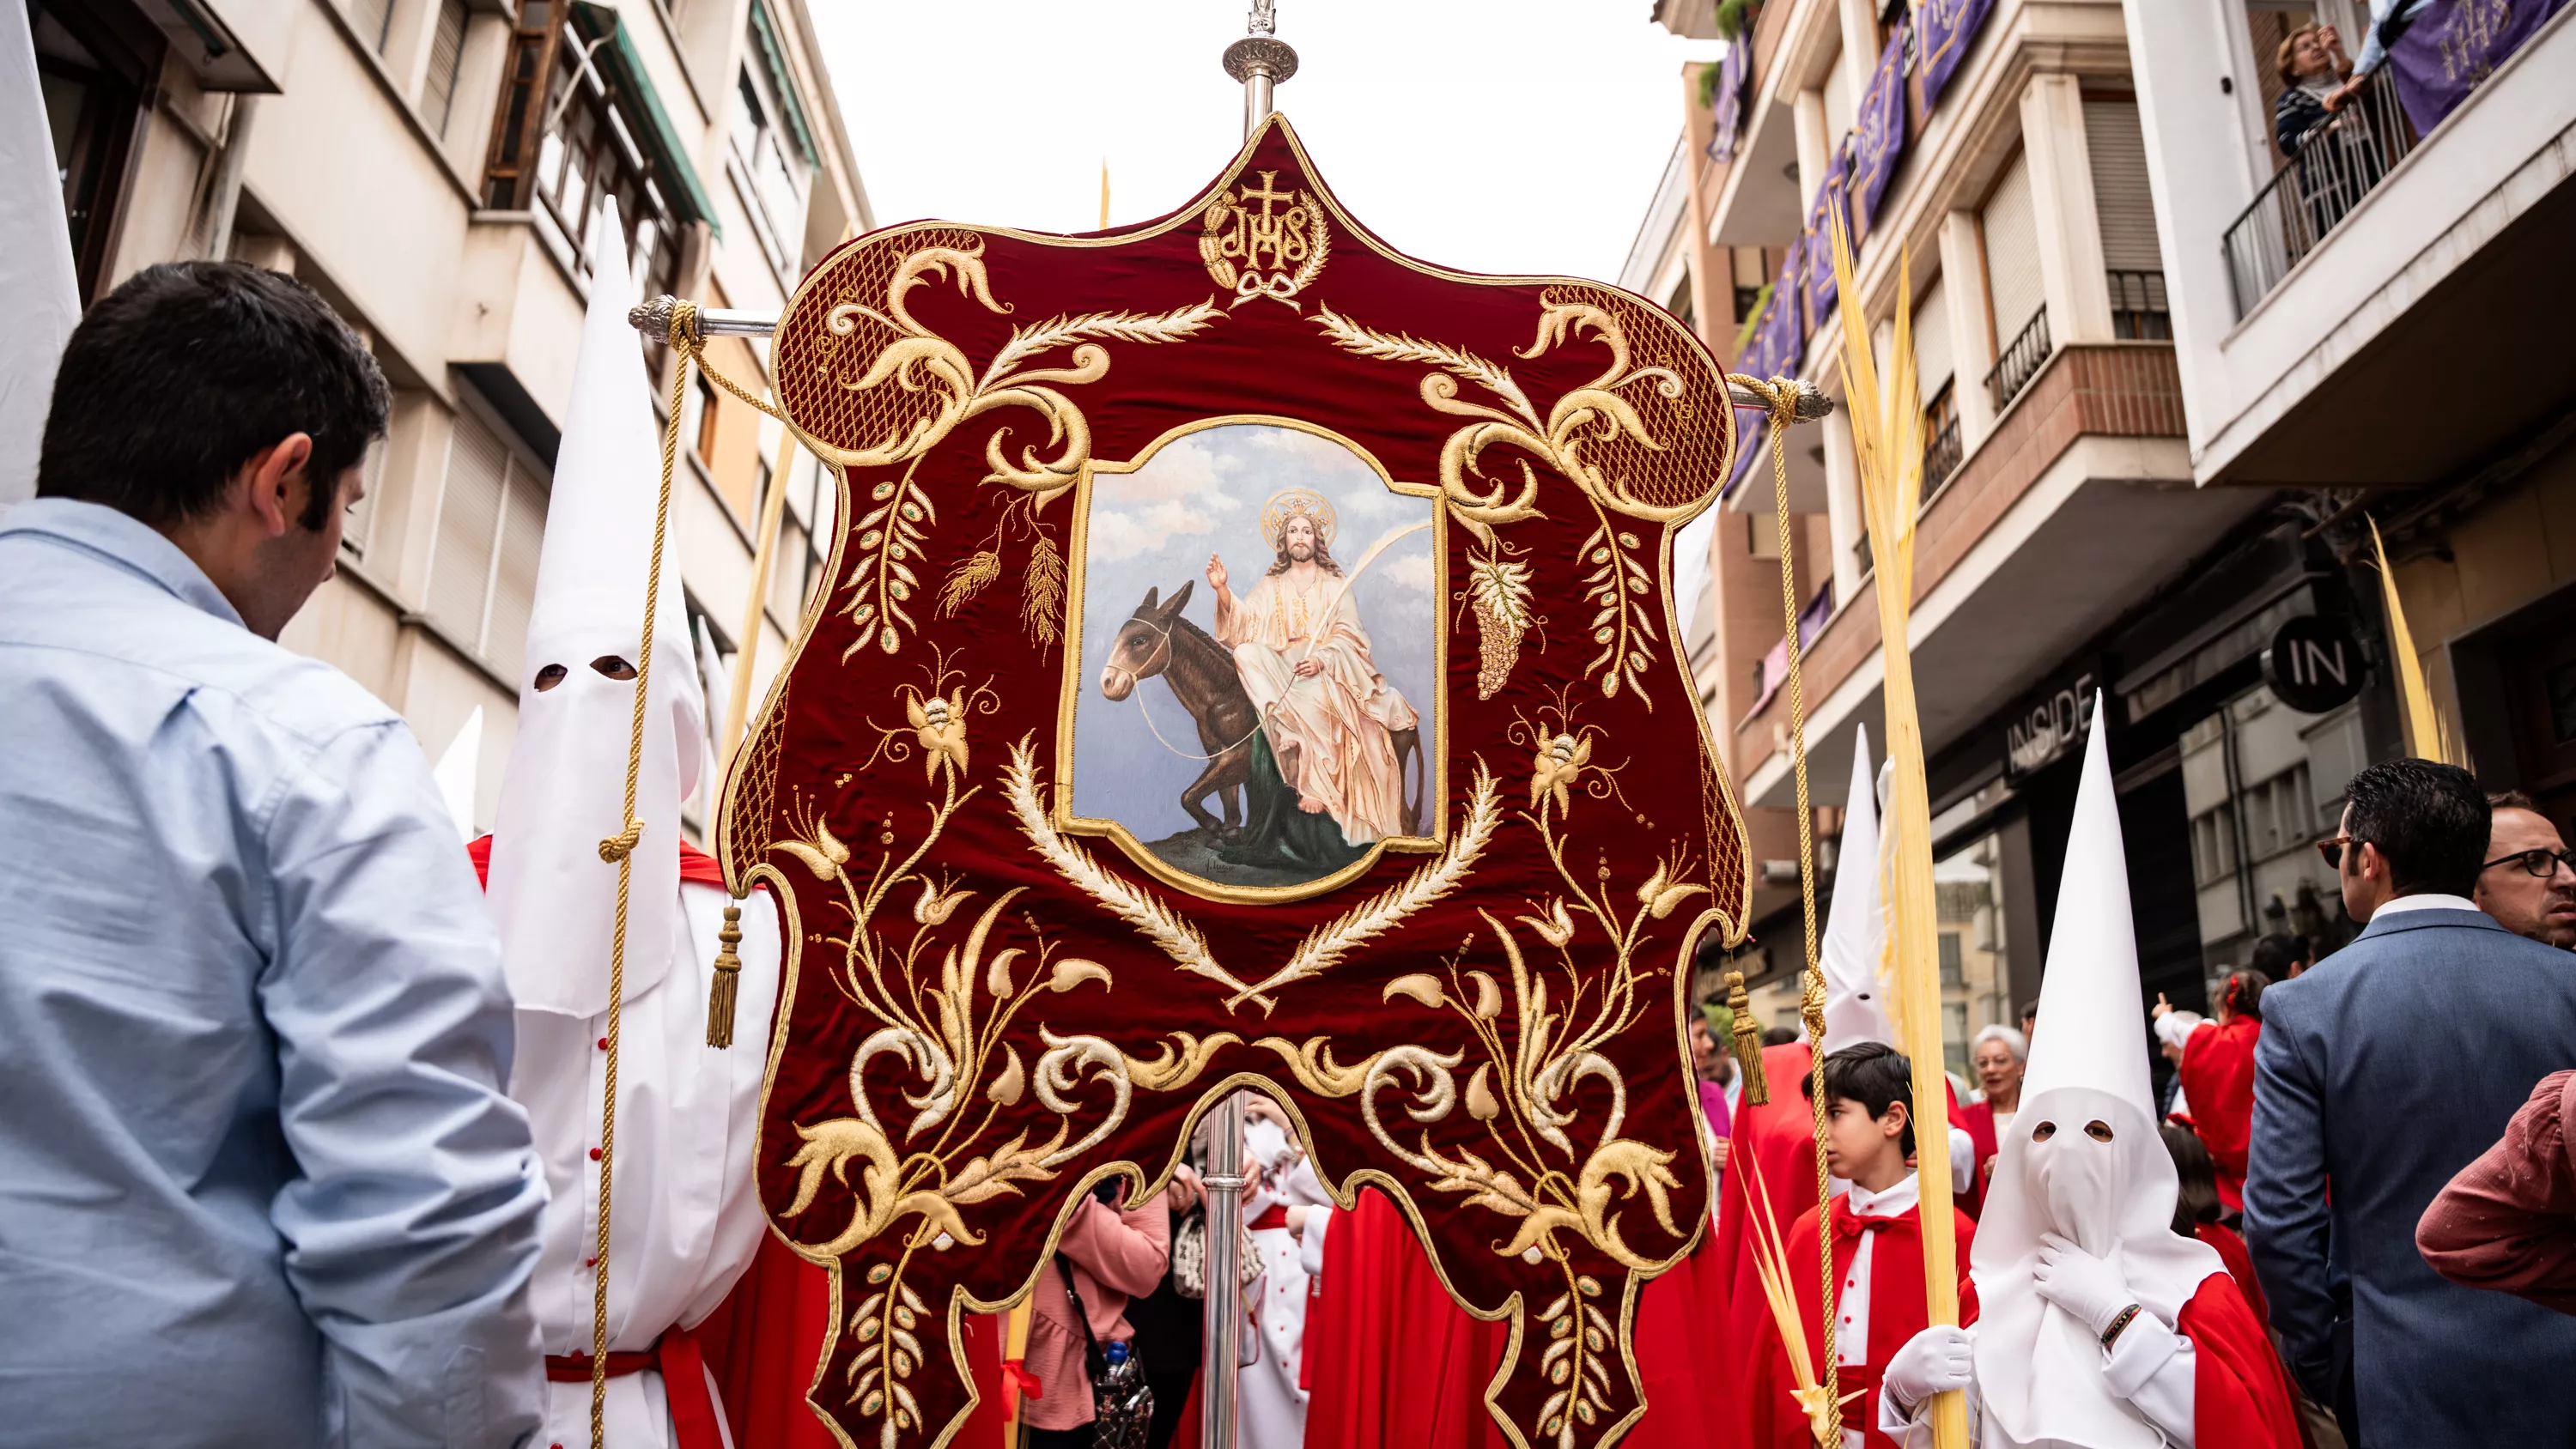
<point>1328,714</point>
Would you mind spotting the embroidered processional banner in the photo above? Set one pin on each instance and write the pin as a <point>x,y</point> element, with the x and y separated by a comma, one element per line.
<point>1246,660</point>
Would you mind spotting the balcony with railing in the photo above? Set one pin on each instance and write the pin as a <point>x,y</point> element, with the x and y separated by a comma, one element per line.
<point>2335,166</point>
<point>2020,360</point>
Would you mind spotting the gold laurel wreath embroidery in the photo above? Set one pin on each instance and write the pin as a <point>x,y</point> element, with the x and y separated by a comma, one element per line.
<point>1326,945</point>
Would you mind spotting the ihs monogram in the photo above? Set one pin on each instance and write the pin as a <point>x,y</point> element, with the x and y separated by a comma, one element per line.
<point>1254,249</point>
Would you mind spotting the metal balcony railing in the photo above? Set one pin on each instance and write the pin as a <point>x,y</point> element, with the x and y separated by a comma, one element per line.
<point>2334,167</point>
<point>2020,360</point>
<point>2139,310</point>
<point>1942,453</point>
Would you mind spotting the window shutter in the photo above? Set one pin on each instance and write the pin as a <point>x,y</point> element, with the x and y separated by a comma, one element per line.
<point>469,519</point>
<point>446,53</point>
<point>2121,196</point>
<point>2012,254</point>
<point>1932,350</point>
<point>373,20</point>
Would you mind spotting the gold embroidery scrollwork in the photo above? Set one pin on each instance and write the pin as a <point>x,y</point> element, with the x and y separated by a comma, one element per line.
<point>1617,580</point>
<point>892,533</point>
<point>942,999</point>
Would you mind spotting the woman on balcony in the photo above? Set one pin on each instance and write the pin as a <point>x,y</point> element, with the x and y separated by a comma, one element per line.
<point>2328,129</point>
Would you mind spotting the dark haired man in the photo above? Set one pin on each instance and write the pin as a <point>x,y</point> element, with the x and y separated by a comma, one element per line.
<point>2529,880</point>
<point>259,1183</point>
<point>2382,1071</point>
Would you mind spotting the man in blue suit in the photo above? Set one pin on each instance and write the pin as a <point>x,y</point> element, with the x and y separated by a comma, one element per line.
<point>2382,1071</point>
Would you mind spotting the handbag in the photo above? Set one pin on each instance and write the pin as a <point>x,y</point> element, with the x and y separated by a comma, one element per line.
<point>1190,1255</point>
<point>1122,1403</point>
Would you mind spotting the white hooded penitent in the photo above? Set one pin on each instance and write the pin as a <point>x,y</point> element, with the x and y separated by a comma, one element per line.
<point>1856,925</point>
<point>2038,1369</point>
<point>552,895</point>
<point>36,271</point>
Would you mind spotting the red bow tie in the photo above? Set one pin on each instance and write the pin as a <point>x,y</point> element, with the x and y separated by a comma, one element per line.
<point>1850,1224</point>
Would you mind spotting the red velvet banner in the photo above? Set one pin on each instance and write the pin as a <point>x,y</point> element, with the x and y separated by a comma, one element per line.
<point>1247,660</point>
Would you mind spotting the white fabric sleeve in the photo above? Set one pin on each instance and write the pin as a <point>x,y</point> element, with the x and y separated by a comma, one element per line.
<point>2175,1027</point>
<point>2152,1368</point>
<point>1914,1430</point>
<point>1310,1244</point>
<point>1963,1161</point>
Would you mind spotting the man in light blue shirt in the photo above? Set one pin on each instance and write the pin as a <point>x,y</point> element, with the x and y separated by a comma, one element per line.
<point>259,1181</point>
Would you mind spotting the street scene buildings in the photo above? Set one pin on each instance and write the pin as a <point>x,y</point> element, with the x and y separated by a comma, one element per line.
<point>2167,366</point>
<point>432,168</point>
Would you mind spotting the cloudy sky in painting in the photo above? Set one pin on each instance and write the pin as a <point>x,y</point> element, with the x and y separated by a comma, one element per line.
<point>1154,529</point>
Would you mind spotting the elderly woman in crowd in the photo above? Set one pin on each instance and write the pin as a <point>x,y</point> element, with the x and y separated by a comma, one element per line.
<point>2000,1055</point>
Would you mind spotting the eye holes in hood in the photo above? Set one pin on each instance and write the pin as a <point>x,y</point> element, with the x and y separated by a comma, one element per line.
<point>611,666</point>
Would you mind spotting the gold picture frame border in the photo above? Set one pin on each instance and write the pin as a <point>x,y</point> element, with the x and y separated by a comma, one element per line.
<point>1435,801</point>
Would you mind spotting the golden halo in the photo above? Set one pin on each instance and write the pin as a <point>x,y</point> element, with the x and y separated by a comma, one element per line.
<point>1288,502</point>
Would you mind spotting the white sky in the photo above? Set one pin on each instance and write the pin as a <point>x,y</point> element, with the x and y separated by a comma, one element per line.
<point>1517,136</point>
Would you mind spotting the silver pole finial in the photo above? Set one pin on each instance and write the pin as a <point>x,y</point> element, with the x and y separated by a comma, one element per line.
<point>1261,62</point>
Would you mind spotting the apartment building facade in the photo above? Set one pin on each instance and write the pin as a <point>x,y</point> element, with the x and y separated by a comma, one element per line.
<point>2379,315</point>
<point>2065,547</point>
<point>432,168</point>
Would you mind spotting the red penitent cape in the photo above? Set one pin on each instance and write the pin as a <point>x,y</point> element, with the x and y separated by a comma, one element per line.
<point>2240,1263</point>
<point>2241,1398</point>
<point>1780,1136</point>
<point>1394,1363</point>
<point>763,1342</point>
<point>1897,1312</point>
<point>2217,1074</point>
<point>1680,1317</point>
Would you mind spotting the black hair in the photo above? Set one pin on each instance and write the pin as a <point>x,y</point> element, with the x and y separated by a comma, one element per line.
<point>187,371</point>
<point>2197,1172</point>
<point>2243,993</point>
<point>1780,1036</point>
<point>2275,955</point>
<point>2428,819</point>
<point>1876,1076</point>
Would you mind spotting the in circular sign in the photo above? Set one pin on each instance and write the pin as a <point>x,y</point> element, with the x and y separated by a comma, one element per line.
<point>2313,663</point>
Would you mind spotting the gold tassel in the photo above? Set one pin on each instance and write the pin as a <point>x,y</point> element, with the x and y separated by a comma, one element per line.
<point>1747,1041</point>
<point>720,997</point>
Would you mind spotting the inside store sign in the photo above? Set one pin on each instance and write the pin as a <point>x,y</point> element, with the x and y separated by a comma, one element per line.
<point>2053,725</point>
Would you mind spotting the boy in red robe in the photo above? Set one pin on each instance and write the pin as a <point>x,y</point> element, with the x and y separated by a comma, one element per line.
<point>1878,1250</point>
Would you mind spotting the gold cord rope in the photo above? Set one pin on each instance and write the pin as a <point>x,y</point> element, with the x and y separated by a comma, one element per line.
<point>692,353</point>
<point>621,849</point>
<point>1782,395</point>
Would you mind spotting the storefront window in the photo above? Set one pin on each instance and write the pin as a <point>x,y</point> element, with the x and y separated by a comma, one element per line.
<point>1968,896</point>
<point>2261,783</point>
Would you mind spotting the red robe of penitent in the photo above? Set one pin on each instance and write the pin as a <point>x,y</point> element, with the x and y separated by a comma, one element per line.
<point>1779,1137</point>
<point>2217,1072</point>
<point>1897,1312</point>
<point>2240,1396</point>
<point>1392,1362</point>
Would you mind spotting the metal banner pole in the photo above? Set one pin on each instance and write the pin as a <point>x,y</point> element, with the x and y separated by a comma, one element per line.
<point>1225,1182</point>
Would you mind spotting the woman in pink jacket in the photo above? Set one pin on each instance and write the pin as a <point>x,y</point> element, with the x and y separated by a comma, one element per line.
<point>1114,1254</point>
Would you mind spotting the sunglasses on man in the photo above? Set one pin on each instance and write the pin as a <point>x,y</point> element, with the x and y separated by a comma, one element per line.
<point>2538,864</point>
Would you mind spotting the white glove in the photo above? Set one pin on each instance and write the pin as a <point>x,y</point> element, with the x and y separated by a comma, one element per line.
<point>1938,1359</point>
<point>2088,1288</point>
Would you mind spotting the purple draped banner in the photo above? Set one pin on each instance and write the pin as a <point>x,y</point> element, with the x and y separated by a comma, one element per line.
<point>1878,142</point>
<point>2453,46</point>
<point>1819,240</point>
<point>1779,344</point>
<point>1949,28</point>
<point>1728,103</point>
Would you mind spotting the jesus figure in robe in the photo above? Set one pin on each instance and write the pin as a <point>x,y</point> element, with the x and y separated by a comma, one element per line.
<point>1303,655</point>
